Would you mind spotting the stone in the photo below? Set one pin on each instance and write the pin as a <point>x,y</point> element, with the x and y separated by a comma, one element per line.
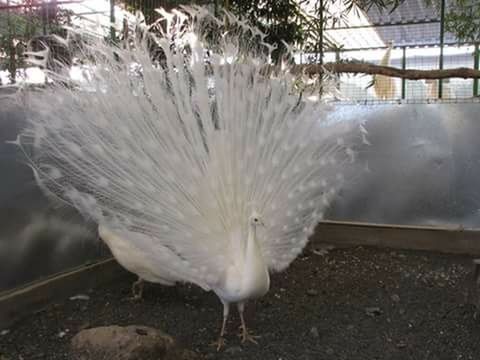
<point>395,298</point>
<point>314,332</point>
<point>373,311</point>
<point>127,343</point>
<point>82,297</point>
<point>312,292</point>
<point>233,350</point>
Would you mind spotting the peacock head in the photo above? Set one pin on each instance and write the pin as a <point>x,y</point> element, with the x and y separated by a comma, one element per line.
<point>256,219</point>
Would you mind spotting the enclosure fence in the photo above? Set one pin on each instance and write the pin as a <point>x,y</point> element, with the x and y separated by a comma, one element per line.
<point>411,37</point>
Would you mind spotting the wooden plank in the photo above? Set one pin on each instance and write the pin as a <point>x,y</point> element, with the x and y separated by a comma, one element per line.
<point>19,302</point>
<point>446,240</point>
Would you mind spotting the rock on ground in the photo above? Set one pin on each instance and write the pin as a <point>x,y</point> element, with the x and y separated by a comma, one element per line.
<point>127,343</point>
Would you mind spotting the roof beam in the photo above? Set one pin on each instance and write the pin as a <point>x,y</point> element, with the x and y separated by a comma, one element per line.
<point>20,6</point>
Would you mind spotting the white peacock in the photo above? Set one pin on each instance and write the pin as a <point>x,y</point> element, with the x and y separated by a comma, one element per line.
<point>199,167</point>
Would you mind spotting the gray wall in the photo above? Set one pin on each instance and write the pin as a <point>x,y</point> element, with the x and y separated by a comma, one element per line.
<point>421,169</point>
<point>36,239</point>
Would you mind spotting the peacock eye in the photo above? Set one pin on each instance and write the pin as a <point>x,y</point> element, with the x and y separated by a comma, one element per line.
<point>256,220</point>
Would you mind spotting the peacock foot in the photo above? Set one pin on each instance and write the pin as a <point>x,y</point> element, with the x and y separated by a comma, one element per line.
<point>246,336</point>
<point>137,290</point>
<point>219,343</point>
<point>135,297</point>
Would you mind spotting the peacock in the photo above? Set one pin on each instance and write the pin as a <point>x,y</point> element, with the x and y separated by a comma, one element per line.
<point>385,85</point>
<point>199,164</point>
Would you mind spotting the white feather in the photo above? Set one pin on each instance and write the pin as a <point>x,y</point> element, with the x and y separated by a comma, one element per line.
<point>172,161</point>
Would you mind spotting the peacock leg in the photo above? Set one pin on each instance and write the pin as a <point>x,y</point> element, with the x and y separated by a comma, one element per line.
<point>245,335</point>
<point>137,294</point>
<point>221,340</point>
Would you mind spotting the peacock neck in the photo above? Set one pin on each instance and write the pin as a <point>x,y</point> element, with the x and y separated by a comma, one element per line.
<point>253,259</point>
<point>386,58</point>
<point>251,249</point>
<point>255,278</point>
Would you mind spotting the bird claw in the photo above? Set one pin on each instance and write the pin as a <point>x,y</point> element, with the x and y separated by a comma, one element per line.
<point>135,297</point>
<point>219,343</point>
<point>246,336</point>
<point>137,290</point>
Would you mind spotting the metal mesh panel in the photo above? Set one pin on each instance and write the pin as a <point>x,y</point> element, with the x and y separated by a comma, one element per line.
<point>415,32</point>
<point>413,28</point>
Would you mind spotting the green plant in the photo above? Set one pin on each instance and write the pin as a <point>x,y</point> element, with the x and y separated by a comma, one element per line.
<point>462,18</point>
<point>19,26</point>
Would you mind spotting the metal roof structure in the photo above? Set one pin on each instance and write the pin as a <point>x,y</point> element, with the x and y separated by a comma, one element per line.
<point>93,15</point>
<point>411,24</point>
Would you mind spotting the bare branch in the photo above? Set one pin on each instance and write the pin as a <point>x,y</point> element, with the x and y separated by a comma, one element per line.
<point>410,74</point>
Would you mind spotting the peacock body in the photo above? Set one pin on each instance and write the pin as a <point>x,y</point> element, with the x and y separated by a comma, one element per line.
<point>201,167</point>
<point>384,86</point>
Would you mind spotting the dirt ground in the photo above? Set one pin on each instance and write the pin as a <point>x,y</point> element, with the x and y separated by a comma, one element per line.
<point>352,303</point>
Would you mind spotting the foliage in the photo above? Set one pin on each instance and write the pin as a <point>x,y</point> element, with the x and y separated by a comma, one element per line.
<point>389,5</point>
<point>148,7</point>
<point>321,14</point>
<point>18,26</point>
<point>300,22</point>
<point>462,18</point>
<point>283,21</point>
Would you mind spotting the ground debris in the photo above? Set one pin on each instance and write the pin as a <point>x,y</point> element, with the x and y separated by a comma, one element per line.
<point>314,332</point>
<point>345,283</point>
<point>127,343</point>
<point>373,311</point>
<point>395,298</point>
<point>233,350</point>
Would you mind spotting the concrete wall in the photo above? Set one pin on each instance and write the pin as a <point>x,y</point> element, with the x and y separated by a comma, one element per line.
<point>36,239</point>
<point>422,169</point>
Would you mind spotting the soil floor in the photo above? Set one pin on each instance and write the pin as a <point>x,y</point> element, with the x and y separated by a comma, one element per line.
<point>350,303</point>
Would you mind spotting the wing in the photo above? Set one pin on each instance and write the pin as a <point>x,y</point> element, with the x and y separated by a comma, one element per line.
<point>148,258</point>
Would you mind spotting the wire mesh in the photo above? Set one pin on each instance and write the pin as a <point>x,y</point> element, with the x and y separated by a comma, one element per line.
<point>415,33</point>
<point>24,23</point>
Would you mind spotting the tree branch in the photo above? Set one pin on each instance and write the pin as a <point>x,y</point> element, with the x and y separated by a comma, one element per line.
<point>364,68</point>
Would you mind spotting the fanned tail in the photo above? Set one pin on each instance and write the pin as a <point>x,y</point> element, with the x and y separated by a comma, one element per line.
<point>181,148</point>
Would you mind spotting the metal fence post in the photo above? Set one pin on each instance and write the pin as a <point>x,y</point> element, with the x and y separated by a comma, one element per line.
<point>404,66</point>
<point>112,20</point>
<point>11,51</point>
<point>442,40</point>
<point>44,17</point>
<point>476,65</point>
<point>320,44</point>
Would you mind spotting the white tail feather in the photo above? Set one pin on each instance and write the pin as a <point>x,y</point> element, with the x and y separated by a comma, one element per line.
<point>175,156</point>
